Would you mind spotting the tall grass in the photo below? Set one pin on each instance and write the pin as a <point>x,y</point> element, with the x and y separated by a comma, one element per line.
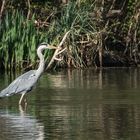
<point>91,32</point>
<point>77,19</point>
<point>19,36</point>
<point>19,39</point>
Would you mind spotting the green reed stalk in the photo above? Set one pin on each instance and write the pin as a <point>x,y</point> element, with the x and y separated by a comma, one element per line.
<point>81,26</point>
<point>19,39</point>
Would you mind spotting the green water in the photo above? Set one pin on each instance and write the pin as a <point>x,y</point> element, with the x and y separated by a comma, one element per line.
<point>75,105</point>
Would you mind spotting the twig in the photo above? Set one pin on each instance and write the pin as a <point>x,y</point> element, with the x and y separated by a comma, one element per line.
<point>29,9</point>
<point>2,8</point>
<point>58,51</point>
<point>61,51</point>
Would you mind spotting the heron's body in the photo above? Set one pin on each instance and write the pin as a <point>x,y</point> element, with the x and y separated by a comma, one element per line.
<point>26,82</point>
<point>23,83</point>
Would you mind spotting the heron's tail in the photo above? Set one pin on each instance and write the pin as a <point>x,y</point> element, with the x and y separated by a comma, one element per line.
<point>3,93</point>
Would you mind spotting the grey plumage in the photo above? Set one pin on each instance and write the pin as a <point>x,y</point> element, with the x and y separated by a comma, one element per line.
<point>23,83</point>
<point>26,82</point>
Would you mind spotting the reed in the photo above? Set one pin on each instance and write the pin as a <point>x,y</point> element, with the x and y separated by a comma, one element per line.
<point>76,19</point>
<point>19,39</point>
<point>93,26</point>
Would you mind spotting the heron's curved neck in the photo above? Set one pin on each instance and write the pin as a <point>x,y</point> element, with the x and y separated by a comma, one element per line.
<point>41,63</point>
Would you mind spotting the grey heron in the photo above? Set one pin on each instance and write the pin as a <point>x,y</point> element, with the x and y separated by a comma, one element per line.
<point>26,82</point>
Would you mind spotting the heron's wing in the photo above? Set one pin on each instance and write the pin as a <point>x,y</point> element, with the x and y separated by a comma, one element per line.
<point>23,83</point>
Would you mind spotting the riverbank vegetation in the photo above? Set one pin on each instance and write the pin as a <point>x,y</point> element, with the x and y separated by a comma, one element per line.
<point>101,32</point>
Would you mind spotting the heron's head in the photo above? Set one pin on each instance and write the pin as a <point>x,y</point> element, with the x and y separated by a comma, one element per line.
<point>44,46</point>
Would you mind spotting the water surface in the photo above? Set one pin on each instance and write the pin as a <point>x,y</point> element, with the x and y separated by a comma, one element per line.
<point>75,105</point>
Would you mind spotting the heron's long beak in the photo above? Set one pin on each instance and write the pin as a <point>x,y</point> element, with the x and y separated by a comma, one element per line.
<point>51,47</point>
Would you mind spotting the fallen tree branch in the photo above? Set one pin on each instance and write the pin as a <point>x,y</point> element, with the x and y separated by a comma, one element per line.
<point>58,51</point>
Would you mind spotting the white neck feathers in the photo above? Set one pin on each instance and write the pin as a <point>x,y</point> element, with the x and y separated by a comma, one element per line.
<point>42,62</point>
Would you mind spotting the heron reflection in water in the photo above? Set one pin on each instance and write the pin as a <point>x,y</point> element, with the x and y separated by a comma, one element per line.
<point>26,82</point>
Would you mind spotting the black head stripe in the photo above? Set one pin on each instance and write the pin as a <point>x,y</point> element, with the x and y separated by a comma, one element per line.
<point>43,44</point>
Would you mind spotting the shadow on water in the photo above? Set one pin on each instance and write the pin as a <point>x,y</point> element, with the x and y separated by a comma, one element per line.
<point>76,104</point>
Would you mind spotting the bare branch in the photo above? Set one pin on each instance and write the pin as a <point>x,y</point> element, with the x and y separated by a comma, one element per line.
<point>64,38</point>
<point>29,9</point>
<point>2,8</point>
<point>61,51</point>
<point>58,51</point>
<point>58,59</point>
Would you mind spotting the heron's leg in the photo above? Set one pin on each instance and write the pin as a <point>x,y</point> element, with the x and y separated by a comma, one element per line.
<point>23,108</point>
<point>21,98</point>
